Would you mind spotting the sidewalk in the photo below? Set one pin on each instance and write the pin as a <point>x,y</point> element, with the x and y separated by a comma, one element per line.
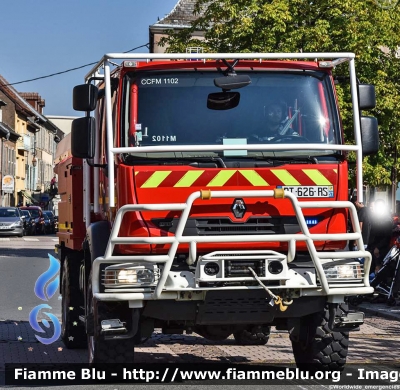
<point>379,310</point>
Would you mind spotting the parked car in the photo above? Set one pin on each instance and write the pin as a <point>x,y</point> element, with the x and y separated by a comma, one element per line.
<point>37,215</point>
<point>29,223</point>
<point>11,222</point>
<point>47,224</point>
<point>52,220</point>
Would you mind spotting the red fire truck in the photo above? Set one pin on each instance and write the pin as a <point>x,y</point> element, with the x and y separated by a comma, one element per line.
<point>208,193</point>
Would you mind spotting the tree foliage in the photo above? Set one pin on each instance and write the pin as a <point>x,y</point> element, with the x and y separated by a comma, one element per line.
<point>359,26</point>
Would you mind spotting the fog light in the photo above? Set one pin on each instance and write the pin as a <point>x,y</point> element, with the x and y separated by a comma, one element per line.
<point>211,269</point>
<point>129,274</point>
<point>145,276</point>
<point>275,267</point>
<point>344,271</point>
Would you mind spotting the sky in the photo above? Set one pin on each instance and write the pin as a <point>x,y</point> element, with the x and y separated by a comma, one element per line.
<point>38,38</point>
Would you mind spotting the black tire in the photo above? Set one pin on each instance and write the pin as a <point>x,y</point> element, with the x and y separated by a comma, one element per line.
<point>317,348</point>
<point>253,335</point>
<point>391,301</point>
<point>73,332</point>
<point>214,333</point>
<point>101,351</point>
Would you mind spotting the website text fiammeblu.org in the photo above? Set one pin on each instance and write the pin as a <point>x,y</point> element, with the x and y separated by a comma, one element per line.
<point>160,373</point>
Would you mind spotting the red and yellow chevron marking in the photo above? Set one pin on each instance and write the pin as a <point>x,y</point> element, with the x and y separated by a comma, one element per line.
<point>235,177</point>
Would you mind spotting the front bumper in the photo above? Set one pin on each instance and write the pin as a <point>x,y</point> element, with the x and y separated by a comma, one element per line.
<point>17,231</point>
<point>292,283</point>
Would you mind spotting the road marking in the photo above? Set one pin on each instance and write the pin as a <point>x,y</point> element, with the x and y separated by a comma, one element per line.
<point>55,239</point>
<point>4,239</point>
<point>31,239</point>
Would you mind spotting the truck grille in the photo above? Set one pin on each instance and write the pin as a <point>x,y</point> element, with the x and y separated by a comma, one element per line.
<point>222,226</point>
<point>225,226</point>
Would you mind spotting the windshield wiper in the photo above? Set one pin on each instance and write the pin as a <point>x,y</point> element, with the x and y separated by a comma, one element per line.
<point>289,160</point>
<point>217,160</point>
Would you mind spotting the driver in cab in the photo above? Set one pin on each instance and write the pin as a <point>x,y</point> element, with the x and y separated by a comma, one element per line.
<point>277,125</point>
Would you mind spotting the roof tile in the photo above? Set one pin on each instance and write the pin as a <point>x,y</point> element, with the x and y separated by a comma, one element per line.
<point>181,15</point>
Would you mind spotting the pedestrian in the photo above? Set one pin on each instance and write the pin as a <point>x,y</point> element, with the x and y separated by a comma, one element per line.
<point>381,233</point>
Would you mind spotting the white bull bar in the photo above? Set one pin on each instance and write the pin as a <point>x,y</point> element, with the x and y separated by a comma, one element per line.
<point>178,239</point>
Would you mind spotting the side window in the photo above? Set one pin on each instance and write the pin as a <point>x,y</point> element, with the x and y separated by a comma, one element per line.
<point>126,113</point>
<point>101,120</point>
<point>114,109</point>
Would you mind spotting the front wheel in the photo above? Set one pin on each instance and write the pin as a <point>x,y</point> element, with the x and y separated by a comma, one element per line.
<point>100,350</point>
<point>316,348</point>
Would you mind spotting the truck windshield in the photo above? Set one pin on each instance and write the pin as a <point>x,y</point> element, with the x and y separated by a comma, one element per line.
<point>277,107</point>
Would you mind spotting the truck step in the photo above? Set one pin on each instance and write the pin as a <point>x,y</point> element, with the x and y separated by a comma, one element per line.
<point>351,321</point>
<point>114,326</point>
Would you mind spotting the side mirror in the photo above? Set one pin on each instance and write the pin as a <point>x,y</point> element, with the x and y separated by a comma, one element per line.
<point>83,137</point>
<point>223,100</point>
<point>369,135</point>
<point>366,96</point>
<point>84,97</point>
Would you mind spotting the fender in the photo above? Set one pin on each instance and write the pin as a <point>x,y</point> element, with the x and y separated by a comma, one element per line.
<point>95,245</point>
<point>97,236</point>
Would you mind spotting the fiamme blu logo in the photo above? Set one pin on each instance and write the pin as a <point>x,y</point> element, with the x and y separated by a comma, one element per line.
<point>45,287</point>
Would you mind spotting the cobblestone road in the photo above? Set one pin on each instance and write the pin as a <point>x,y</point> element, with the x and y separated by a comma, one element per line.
<point>377,342</point>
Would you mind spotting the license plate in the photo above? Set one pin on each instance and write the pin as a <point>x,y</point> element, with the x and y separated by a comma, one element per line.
<point>4,227</point>
<point>310,191</point>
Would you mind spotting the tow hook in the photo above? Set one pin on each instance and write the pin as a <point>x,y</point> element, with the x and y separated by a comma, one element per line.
<point>275,299</point>
<point>283,305</point>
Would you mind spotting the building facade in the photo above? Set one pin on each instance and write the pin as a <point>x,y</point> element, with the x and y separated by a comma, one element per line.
<point>27,154</point>
<point>181,17</point>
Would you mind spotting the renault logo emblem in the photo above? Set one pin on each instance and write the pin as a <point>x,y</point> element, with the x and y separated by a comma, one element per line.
<point>238,208</point>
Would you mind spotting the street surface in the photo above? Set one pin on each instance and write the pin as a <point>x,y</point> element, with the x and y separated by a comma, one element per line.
<point>22,260</point>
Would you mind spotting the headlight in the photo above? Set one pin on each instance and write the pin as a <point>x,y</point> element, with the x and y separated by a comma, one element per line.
<point>130,274</point>
<point>17,224</point>
<point>345,271</point>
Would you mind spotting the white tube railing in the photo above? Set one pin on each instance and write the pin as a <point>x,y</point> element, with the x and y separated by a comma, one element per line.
<point>178,238</point>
